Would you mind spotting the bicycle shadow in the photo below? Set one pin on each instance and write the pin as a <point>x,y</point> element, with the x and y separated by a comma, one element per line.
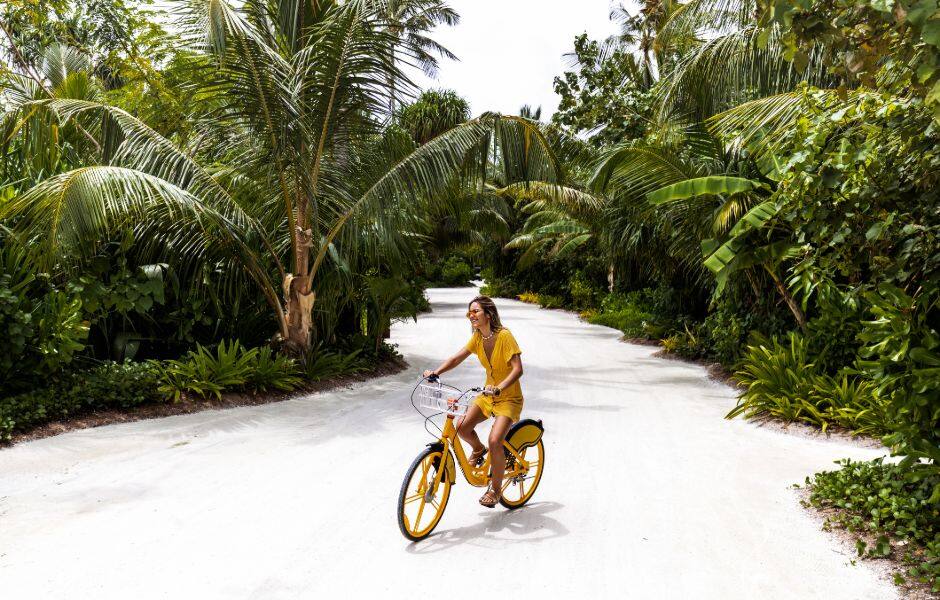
<point>528,524</point>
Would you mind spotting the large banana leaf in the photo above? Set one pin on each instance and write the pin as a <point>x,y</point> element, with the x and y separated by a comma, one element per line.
<point>712,185</point>
<point>717,259</point>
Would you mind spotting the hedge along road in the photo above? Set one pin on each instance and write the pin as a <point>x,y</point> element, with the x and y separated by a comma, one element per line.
<point>648,492</point>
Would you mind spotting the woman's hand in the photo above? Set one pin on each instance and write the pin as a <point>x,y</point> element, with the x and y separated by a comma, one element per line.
<point>491,390</point>
<point>429,373</point>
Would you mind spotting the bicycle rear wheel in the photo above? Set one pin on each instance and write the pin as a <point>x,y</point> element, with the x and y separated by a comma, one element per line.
<point>519,489</point>
<point>419,507</point>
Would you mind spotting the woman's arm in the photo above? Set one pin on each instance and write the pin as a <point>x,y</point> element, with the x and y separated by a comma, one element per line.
<point>450,363</point>
<point>516,363</point>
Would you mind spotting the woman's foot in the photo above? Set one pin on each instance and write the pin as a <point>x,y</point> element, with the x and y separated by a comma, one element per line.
<point>476,457</point>
<point>490,498</point>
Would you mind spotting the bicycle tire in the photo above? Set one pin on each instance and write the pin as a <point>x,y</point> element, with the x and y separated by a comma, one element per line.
<point>403,524</point>
<point>526,496</point>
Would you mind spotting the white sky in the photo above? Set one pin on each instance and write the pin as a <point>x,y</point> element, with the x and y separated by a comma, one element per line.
<point>511,50</point>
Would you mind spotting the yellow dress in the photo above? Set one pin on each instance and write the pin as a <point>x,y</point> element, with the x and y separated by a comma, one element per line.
<point>509,401</point>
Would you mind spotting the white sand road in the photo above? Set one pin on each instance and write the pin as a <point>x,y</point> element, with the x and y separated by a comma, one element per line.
<point>648,491</point>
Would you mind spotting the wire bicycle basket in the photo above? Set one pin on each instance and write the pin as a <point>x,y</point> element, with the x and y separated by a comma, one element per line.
<point>441,398</point>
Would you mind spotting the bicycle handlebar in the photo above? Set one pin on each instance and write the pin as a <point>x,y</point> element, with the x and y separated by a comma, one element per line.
<point>437,379</point>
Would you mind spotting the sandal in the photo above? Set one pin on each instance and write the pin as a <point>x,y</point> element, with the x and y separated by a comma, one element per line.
<point>490,497</point>
<point>476,457</point>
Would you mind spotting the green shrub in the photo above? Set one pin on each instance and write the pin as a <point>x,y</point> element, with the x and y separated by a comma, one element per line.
<point>500,287</point>
<point>108,386</point>
<point>583,292</point>
<point>456,271</point>
<point>41,328</point>
<point>631,321</point>
<point>725,335</point>
<point>890,502</point>
<point>274,372</point>
<point>629,314</point>
<point>550,301</point>
<point>781,381</point>
<point>205,374</point>
<point>320,363</point>
<point>686,343</point>
<point>902,356</point>
<point>231,367</point>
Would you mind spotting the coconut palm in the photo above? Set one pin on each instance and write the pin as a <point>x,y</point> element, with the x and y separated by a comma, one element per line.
<point>294,172</point>
<point>409,21</point>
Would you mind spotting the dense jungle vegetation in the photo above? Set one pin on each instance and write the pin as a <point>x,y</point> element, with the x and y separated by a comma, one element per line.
<point>246,200</point>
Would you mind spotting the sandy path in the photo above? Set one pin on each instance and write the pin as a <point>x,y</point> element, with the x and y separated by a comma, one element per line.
<point>648,492</point>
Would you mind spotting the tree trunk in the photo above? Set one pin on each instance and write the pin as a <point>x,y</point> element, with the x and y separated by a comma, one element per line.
<point>610,278</point>
<point>789,299</point>
<point>298,300</point>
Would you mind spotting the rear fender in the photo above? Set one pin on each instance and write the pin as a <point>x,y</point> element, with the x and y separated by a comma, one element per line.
<point>524,434</point>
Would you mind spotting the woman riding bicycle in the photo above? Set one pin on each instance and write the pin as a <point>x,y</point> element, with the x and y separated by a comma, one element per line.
<point>500,355</point>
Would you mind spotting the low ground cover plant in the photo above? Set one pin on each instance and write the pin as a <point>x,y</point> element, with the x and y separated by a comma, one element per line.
<point>107,386</point>
<point>203,373</point>
<point>895,512</point>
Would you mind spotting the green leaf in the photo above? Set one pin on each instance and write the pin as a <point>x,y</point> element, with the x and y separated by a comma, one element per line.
<point>931,33</point>
<point>874,232</point>
<point>703,186</point>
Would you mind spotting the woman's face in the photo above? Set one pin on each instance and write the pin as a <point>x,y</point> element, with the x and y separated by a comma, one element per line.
<point>477,317</point>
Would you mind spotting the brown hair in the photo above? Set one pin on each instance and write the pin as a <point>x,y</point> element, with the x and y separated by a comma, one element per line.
<point>489,309</point>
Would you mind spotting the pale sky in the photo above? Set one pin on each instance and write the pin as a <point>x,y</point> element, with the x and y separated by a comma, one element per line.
<point>511,50</point>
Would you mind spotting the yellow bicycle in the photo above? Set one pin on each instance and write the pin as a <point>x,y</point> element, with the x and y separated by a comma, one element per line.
<point>426,488</point>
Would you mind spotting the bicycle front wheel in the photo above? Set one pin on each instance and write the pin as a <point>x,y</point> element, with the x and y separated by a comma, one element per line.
<point>420,507</point>
<point>518,489</point>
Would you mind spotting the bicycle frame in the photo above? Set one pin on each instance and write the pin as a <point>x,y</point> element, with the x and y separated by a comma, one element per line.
<point>476,476</point>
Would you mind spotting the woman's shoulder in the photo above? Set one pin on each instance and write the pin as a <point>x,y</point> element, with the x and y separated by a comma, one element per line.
<point>504,332</point>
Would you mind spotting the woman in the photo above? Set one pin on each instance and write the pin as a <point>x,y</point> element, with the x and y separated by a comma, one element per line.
<point>502,397</point>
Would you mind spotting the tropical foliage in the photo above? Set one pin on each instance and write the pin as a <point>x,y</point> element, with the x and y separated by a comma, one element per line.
<point>780,183</point>
<point>890,515</point>
<point>266,173</point>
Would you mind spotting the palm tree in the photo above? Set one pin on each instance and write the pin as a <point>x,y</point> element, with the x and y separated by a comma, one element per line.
<point>293,172</point>
<point>409,21</point>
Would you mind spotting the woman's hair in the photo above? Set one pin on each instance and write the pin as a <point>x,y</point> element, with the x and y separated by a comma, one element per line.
<point>489,309</point>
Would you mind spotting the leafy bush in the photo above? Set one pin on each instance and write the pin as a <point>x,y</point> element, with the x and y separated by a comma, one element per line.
<point>781,381</point>
<point>884,500</point>
<point>632,320</point>
<point>41,328</point>
<point>274,372</point>
<point>456,271</point>
<point>725,335</point>
<point>583,292</point>
<point>320,363</point>
<point>902,356</point>
<point>500,287</point>
<point>630,313</point>
<point>529,297</point>
<point>543,300</point>
<point>551,301</point>
<point>231,367</point>
<point>108,386</point>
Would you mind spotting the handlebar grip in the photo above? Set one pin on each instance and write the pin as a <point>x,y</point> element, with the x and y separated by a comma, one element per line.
<point>434,378</point>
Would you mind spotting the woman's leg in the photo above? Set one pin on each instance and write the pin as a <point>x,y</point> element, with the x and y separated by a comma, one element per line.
<point>497,454</point>
<point>465,428</point>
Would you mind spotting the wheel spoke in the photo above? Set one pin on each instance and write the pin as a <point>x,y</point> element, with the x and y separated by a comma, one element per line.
<point>420,512</point>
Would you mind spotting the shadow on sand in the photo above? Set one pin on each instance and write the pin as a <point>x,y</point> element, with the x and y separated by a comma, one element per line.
<point>529,524</point>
